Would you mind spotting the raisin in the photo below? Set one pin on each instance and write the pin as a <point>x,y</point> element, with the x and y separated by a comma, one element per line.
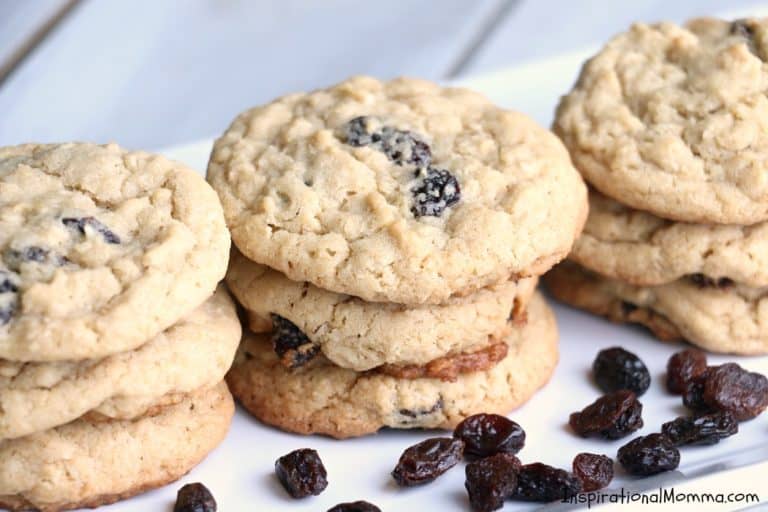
<point>81,223</point>
<point>358,132</point>
<point>15,258</point>
<point>682,367</point>
<point>729,387</point>
<point>427,460</point>
<point>539,482</point>
<point>486,434</point>
<point>702,429</point>
<point>611,416</point>
<point>411,413</point>
<point>693,397</point>
<point>615,369</point>
<point>302,473</point>
<point>703,281</point>
<point>438,190</point>
<point>627,308</point>
<point>594,471</point>
<point>649,455</point>
<point>405,148</point>
<point>194,498</point>
<point>292,346</point>
<point>742,28</point>
<point>355,506</point>
<point>9,299</point>
<point>491,480</point>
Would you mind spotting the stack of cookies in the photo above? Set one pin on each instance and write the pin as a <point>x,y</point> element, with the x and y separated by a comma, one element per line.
<point>669,125</point>
<point>389,238</point>
<point>113,338</point>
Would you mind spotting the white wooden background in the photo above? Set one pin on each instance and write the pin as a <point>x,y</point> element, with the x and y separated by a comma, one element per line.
<point>150,73</point>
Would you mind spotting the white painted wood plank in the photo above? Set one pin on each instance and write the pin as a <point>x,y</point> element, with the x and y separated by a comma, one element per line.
<point>150,73</point>
<point>542,28</point>
<point>19,21</point>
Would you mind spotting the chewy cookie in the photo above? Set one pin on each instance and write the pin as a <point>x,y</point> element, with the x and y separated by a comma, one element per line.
<point>196,352</point>
<point>398,191</point>
<point>361,335</point>
<point>726,318</point>
<point>645,250</point>
<point>671,120</point>
<point>86,464</point>
<point>326,399</point>
<point>100,249</point>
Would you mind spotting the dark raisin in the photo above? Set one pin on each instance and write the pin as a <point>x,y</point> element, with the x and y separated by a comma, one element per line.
<point>682,367</point>
<point>486,434</point>
<point>302,473</point>
<point>411,413</point>
<point>81,223</point>
<point>627,308</point>
<point>491,480</point>
<point>9,300</point>
<point>292,346</point>
<point>355,506</point>
<point>594,471</point>
<point>731,388</point>
<point>358,132</point>
<point>649,455</point>
<point>703,281</point>
<point>616,368</point>
<point>702,429</point>
<point>15,258</point>
<point>742,28</point>
<point>611,416</point>
<point>539,482</point>
<point>693,396</point>
<point>405,148</point>
<point>194,498</point>
<point>427,460</point>
<point>438,190</point>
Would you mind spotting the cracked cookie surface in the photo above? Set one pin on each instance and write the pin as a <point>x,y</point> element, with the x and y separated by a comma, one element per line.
<point>643,249</point>
<point>195,352</point>
<point>85,464</point>
<point>397,191</point>
<point>731,319</point>
<point>361,335</point>
<point>100,249</point>
<point>323,398</point>
<point>672,120</point>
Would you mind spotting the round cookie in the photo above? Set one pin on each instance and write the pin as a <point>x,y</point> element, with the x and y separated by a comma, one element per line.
<point>398,191</point>
<point>672,120</point>
<point>361,335</point>
<point>325,399</point>
<point>100,249</point>
<point>194,353</point>
<point>84,464</point>
<point>731,319</point>
<point>645,250</point>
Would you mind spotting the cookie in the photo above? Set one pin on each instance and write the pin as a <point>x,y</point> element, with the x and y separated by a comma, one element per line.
<point>196,352</point>
<point>645,250</point>
<point>101,249</point>
<point>727,319</point>
<point>671,120</point>
<point>84,464</point>
<point>398,191</point>
<point>325,399</point>
<point>361,335</point>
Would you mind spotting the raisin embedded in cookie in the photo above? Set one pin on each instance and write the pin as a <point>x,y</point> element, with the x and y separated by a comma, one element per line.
<point>85,464</point>
<point>671,120</point>
<point>100,249</point>
<point>398,191</point>
<point>730,319</point>
<point>326,399</point>
<point>195,352</point>
<point>361,335</point>
<point>645,250</point>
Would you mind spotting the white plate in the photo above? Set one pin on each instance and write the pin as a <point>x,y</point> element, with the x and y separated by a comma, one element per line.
<point>241,472</point>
